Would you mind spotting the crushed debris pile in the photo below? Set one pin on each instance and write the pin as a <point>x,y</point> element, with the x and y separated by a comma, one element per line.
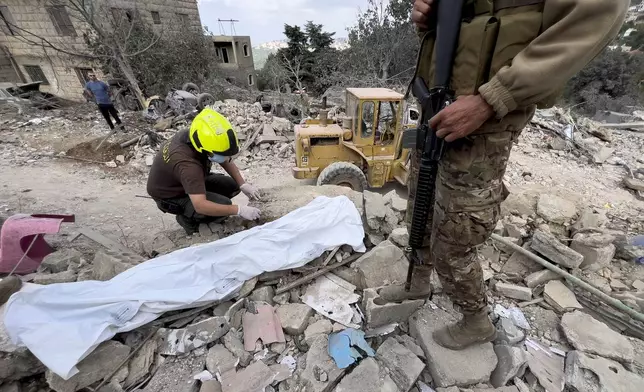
<point>322,327</point>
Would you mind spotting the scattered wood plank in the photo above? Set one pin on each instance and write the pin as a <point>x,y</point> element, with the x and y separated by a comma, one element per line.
<point>252,138</point>
<point>310,277</point>
<point>101,239</point>
<point>636,126</point>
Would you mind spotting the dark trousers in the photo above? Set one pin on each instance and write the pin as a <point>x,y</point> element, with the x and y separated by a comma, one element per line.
<point>220,189</point>
<point>107,111</point>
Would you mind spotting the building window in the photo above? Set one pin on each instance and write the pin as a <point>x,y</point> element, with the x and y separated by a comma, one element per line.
<point>217,53</point>
<point>156,18</point>
<point>121,15</point>
<point>60,19</point>
<point>184,19</point>
<point>246,51</point>
<point>36,74</point>
<point>82,74</point>
<point>7,24</point>
<point>224,53</point>
<point>251,80</point>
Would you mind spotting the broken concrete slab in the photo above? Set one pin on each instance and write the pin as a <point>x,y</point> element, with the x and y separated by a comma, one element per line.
<point>60,260</point>
<point>184,340</point>
<point>220,360</point>
<point>400,236</point>
<point>634,184</point>
<point>332,297</point>
<point>263,325</point>
<point>555,209</point>
<point>294,317</point>
<point>591,336</point>
<point>411,345</point>
<point>263,294</point>
<point>513,362</point>
<point>367,377</point>
<point>97,365</point>
<point>320,328</point>
<point>638,285</point>
<point>520,203</point>
<point>396,202</point>
<point>384,265</point>
<point>375,209</point>
<point>596,248</point>
<point>210,386</point>
<point>540,277</point>
<point>379,312</point>
<point>546,366</point>
<point>506,249</point>
<point>60,277</point>
<point>508,332</point>
<point>514,291</point>
<point>586,372</point>
<point>519,265</point>
<point>601,155</point>
<point>447,367</point>
<point>549,246</point>
<point>140,364</point>
<point>109,263</point>
<point>233,343</point>
<point>560,297</point>
<point>403,365</point>
<point>319,362</point>
<point>255,377</point>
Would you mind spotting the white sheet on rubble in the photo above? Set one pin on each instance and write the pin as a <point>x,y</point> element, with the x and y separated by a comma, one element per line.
<point>62,323</point>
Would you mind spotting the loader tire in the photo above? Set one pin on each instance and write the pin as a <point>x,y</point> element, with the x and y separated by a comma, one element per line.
<point>343,174</point>
<point>191,88</point>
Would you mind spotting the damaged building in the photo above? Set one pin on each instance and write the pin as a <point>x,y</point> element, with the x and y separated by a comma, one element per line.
<point>26,23</point>
<point>235,58</point>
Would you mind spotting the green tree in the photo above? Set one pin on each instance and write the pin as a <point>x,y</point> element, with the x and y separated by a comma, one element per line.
<point>318,39</point>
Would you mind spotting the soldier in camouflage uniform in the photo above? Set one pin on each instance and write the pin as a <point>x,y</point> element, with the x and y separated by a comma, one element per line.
<point>513,56</point>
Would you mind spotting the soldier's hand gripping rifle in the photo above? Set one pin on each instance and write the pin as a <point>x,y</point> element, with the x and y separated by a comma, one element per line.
<point>428,145</point>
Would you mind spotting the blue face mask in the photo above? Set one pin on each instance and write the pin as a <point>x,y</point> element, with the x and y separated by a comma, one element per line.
<point>216,158</point>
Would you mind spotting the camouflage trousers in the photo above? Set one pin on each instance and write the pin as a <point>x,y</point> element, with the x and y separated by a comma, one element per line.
<point>469,192</point>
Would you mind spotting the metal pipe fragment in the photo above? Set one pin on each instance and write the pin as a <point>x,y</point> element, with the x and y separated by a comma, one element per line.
<point>615,303</point>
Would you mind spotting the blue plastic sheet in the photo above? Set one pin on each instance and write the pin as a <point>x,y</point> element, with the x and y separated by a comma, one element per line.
<point>348,346</point>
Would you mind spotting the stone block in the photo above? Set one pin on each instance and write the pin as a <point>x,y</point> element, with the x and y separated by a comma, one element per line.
<point>384,265</point>
<point>519,265</point>
<point>176,374</point>
<point>264,294</point>
<point>540,277</point>
<point>220,360</point>
<point>508,333</point>
<point>638,285</point>
<point>322,327</point>
<point>60,260</point>
<point>589,219</point>
<point>550,247</point>
<point>448,367</point>
<point>512,363</point>
<point>514,291</point>
<point>400,237</point>
<point>255,377</point>
<point>554,209</point>
<point>233,343</point>
<point>379,312</point>
<point>108,263</point>
<point>596,248</point>
<point>403,365</point>
<point>367,377</point>
<point>97,365</point>
<point>294,317</point>
<point>18,363</point>
<point>319,362</point>
<point>524,203</point>
<point>60,277</point>
<point>396,202</point>
<point>140,364</point>
<point>591,336</point>
<point>587,372</point>
<point>560,297</point>
<point>184,340</point>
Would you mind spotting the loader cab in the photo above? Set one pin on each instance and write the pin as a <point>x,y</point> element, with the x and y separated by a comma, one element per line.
<point>375,119</point>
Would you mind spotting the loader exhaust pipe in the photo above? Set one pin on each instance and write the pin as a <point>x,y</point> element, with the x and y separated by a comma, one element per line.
<point>324,117</point>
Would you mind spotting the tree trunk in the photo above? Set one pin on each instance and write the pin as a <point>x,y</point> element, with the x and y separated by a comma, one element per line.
<point>128,72</point>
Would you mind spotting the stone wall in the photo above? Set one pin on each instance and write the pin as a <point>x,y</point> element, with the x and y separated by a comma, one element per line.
<point>7,72</point>
<point>60,69</point>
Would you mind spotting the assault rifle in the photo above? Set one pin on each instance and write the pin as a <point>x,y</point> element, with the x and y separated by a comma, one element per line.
<point>427,144</point>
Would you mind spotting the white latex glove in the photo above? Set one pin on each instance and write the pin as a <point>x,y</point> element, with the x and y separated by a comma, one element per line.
<point>248,212</point>
<point>250,191</point>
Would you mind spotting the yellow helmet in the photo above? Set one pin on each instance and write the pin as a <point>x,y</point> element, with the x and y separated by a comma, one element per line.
<point>211,132</point>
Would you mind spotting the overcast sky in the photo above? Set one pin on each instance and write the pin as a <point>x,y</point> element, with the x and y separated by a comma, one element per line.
<point>264,20</point>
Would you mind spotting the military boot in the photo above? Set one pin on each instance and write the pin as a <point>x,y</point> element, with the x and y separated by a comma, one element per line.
<point>420,287</point>
<point>475,328</point>
<point>9,286</point>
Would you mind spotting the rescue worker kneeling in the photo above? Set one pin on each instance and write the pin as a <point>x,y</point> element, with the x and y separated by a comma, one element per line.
<point>180,180</point>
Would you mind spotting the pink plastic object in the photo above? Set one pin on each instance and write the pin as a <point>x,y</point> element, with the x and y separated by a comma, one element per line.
<point>17,233</point>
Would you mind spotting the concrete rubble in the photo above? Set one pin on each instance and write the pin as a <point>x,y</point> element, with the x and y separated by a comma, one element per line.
<point>560,297</point>
<point>384,265</point>
<point>512,362</point>
<point>549,246</point>
<point>403,365</point>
